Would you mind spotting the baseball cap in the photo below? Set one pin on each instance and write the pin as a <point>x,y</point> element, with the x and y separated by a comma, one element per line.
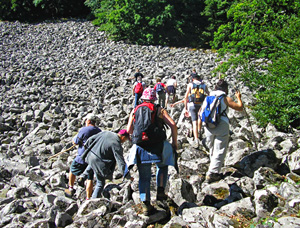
<point>123,132</point>
<point>90,117</point>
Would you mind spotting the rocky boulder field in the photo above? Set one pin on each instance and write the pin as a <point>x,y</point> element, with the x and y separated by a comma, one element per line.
<point>54,73</point>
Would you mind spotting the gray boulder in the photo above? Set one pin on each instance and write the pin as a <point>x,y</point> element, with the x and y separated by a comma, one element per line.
<point>252,162</point>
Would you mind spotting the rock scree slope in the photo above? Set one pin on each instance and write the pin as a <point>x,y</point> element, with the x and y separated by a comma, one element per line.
<point>55,72</point>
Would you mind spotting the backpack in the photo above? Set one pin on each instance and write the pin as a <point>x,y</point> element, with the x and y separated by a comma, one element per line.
<point>146,127</point>
<point>159,88</point>
<point>197,94</point>
<point>138,88</point>
<point>211,114</point>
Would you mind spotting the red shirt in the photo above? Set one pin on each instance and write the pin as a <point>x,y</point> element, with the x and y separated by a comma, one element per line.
<point>163,85</point>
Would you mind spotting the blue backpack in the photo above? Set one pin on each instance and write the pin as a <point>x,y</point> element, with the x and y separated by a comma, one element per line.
<point>212,113</point>
<point>160,88</point>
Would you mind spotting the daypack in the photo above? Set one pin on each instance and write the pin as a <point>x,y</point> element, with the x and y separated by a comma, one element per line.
<point>138,88</point>
<point>211,114</point>
<point>147,130</point>
<point>197,95</point>
<point>159,88</point>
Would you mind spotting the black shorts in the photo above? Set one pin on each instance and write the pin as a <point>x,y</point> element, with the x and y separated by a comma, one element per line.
<point>77,169</point>
<point>194,112</point>
<point>171,89</point>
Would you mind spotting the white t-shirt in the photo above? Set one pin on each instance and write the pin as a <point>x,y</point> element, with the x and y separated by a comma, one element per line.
<point>223,105</point>
<point>171,82</point>
<point>143,84</point>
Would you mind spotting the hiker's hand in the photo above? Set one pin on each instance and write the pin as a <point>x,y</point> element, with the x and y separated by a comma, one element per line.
<point>186,113</point>
<point>238,94</point>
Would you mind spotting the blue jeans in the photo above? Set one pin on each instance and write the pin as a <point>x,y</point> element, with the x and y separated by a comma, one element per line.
<point>145,178</point>
<point>99,184</point>
<point>136,99</point>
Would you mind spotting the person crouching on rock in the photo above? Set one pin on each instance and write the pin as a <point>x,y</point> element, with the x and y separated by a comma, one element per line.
<point>78,166</point>
<point>151,147</point>
<point>102,152</point>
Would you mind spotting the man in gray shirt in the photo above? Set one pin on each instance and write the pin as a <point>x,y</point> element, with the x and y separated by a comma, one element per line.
<point>102,152</point>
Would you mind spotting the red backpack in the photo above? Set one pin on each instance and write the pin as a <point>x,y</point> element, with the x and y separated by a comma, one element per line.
<point>138,88</point>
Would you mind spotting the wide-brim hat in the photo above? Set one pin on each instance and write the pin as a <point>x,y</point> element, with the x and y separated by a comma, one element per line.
<point>149,94</point>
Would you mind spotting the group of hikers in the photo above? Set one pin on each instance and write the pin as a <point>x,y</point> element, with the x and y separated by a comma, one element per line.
<point>99,151</point>
<point>165,92</point>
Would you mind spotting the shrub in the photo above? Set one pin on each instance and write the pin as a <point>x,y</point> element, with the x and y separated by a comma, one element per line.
<point>28,10</point>
<point>163,22</point>
<point>264,34</point>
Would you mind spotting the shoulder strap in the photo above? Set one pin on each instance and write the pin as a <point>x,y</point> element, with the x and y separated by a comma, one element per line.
<point>151,106</point>
<point>222,97</point>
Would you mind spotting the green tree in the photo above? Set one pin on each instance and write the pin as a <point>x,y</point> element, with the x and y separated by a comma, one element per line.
<point>216,13</point>
<point>264,34</point>
<point>164,22</point>
<point>32,10</point>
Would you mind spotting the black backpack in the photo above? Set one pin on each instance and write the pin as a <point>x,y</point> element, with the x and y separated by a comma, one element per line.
<point>147,129</point>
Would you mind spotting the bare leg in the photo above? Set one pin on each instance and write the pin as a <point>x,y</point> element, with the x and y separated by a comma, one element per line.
<point>199,125</point>
<point>195,129</point>
<point>72,178</point>
<point>89,188</point>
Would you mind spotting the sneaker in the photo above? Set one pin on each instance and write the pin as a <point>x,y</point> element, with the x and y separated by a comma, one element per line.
<point>147,208</point>
<point>69,193</point>
<point>160,195</point>
<point>213,178</point>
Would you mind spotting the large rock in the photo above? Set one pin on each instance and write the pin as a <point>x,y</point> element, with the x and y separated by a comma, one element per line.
<point>252,162</point>
<point>242,207</point>
<point>181,191</point>
<point>293,161</point>
<point>265,202</point>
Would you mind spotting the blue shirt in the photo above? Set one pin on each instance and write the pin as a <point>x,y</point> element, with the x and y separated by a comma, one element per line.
<point>80,139</point>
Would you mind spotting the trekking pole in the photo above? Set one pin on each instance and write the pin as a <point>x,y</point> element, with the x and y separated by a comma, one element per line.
<point>55,155</point>
<point>248,118</point>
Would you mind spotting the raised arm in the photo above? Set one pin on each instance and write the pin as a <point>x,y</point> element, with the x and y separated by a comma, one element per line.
<point>178,102</point>
<point>171,123</point>
<point>130,122</point>
<point>206,90</point>
<point>186,97</point>
<point>238,106</point>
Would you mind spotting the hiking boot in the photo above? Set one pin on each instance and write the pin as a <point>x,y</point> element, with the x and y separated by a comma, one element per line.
<point>81,181</point>
<point>147,208</point>
<point>213,178</point>
<point>160,194</point>
<point>69,193</point>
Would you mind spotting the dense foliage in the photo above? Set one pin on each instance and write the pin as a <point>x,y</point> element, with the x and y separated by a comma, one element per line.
<point>28,10</point>
<point>265,34</point>
<point>164,22</point>
<point>216,13</point>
